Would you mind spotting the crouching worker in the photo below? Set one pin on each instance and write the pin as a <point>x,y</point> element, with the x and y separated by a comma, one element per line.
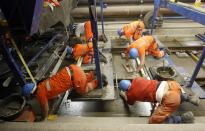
<point>168,94</point>
<point>81,50</point>
<point>132,30</point>
<point>77,49</point>
<point>141,47</point>
<point>72,77</point>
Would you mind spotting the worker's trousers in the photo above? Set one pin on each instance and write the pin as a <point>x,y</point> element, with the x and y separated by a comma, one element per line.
<point>170,102</point>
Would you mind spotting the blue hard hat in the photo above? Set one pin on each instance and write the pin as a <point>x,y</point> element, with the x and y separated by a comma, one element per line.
<point>124,85</point>
<point>69,50</point>
<point>133,53</point>
<point>27,88</point>
<point>119,32</point>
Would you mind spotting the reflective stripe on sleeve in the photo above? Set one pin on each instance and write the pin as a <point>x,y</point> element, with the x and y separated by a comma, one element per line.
<point>48,86</point>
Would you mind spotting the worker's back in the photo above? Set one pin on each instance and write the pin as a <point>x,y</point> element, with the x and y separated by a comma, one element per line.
<point>142,90</point>
<point>131,28</point>
<point>55,85</point>
<point>82,49</point>
<point>134,25</point>
<point>142,44</point>
<point>79,79</point>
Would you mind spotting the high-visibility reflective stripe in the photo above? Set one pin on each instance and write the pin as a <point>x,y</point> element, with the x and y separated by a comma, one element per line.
<point>48,86</point>
<point>89,87</point>
<point>68,70</point>
<point>162,89</point>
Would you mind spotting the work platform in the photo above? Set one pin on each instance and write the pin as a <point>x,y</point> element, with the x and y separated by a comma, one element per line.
<point>117,108</point>
<point>105,110</point>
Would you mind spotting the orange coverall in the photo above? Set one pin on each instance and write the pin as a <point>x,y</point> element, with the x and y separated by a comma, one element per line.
<point>88,31</point>
<point>145,44</point>
<point>133,29</point>
<point>68,78</point>
<point>145,91</point>
<point>84,50</point>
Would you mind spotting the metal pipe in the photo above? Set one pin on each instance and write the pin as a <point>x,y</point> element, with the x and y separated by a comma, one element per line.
<point>93,19</point>
<point>198,66</point>
<point>121,11</point>
<point>174,17</point>
<point>102,18</point>
<point>84,2</point>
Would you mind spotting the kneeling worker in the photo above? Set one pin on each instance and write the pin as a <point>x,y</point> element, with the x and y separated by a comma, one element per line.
<point>168,94</point>
<point>132,30</point>
<point>81,50</point>
<point>77,49</point>
<point>72,77</point>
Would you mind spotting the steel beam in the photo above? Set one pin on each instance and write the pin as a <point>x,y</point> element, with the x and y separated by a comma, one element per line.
<point>36,16</point>
<point>93,19</point>
<point>188,12</point>
<point>156,9</point>
<point>182,9</point>
<point>198,66</point>
<point>102,17</point>
<point>12,63</point>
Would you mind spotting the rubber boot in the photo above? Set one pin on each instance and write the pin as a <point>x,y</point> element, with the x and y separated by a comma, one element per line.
<point>187,117</point>
<point>194,99</point>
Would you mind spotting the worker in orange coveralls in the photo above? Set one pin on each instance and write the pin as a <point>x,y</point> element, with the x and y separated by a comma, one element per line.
<point>84,30</point>
<point>132,30</point>
<point>84,50</point>
<point>72,77</point>
<point>77,49</point>
<point>169,95</point>
<point>141,47</point>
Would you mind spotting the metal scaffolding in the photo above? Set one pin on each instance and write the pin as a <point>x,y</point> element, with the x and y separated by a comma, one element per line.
<point>188,11</point>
